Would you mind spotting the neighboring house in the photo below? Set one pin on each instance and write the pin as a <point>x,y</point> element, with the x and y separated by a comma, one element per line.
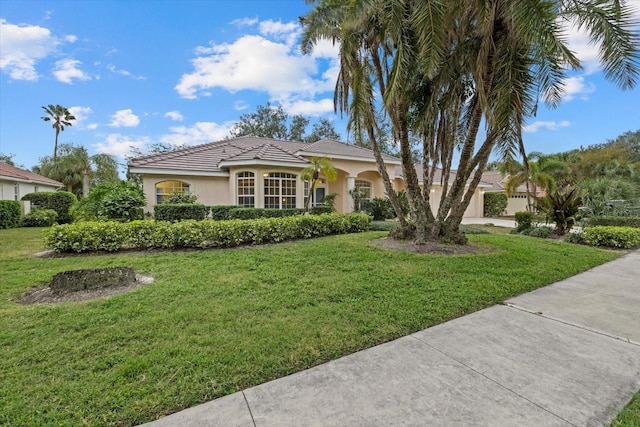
<point>265,173</point>
<point>16,182</point>
<point>517,202</point>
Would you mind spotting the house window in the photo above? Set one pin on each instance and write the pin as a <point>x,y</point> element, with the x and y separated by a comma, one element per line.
<point>16,191</point>
<point>246,189</point>
<point>364,187</point>
<point>35,189</point>
<point>164,188</point>
<point>280,190</point>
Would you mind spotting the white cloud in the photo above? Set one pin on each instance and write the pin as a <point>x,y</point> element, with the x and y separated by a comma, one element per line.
<point>119,145</point>
<point>198,133</point>
<point>174,115</point>
<point>67,69</point>
<point>576,87</point>
<point>81,114</point>
<point>124,118</point>
<point>244,22</point>
<point>550,125</point>
<point>310,108</point>
<point>240,105</point>
<point>92,126</point>
<point>263,64</point>
<point>21,47</point>
<point>71,38</point>
<point>113,69</point>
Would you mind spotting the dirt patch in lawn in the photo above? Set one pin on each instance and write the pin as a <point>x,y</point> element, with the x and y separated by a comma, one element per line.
<point>46,295</point>
<point>432,248</point>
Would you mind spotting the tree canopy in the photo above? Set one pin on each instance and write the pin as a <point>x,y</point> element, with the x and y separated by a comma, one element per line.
<point>61,117</point>
<point>273,122</point>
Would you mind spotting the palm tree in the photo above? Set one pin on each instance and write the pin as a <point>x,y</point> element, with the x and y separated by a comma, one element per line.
<point>61,117</point>
<point>440,69</point>
<point>78,171</point>
<point>312,174</point>
<point>539,171</point>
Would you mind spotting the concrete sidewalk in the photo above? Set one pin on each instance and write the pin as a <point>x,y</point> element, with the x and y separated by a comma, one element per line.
<point>564,355</point>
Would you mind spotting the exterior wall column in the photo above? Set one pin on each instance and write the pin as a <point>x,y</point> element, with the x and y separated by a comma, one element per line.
<point>351,185</point>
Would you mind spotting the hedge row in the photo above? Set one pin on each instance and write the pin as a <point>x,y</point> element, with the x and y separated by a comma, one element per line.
<point>59,201</point>
<point>113,236</point>
<point>222,212</point>
<point>613,237</point>
<point>9,213</point>
<point>616,221</point>
<point>179,211</point>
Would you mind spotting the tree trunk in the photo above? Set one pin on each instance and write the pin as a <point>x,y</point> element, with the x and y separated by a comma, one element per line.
<point>85,183</point>
<point>55,148</point>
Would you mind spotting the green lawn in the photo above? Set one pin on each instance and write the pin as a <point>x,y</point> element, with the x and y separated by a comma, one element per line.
<point>218,321</point>
<point>630,415</point>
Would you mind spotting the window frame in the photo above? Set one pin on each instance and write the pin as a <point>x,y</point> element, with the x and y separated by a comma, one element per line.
<point>285,181</point>
<point>246,177</point>
<point>161,196</point>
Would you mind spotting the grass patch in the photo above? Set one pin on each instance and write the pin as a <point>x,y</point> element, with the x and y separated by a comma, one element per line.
<point>218,321</point>
<point>630,415</point>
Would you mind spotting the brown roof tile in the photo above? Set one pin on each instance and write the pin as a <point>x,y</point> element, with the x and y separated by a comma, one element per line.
<point>9,171</point>
<point>208,157</point>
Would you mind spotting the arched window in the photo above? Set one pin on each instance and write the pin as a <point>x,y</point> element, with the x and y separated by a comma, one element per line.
<point>164,188</point>
<point>246,189</point>
<point>280,190</point>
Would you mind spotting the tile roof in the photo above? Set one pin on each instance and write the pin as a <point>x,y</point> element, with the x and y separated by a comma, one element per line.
<point>499,182</point>
<point>437,177</point>
<point>8,171</point>
<point>209,157</point>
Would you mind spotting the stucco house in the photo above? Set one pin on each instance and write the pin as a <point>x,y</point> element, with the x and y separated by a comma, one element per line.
<point>517,202</point>
<point>265,173</point>
<point>16,182</point>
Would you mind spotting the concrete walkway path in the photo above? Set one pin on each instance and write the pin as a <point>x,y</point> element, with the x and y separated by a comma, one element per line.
<point>564,355</point>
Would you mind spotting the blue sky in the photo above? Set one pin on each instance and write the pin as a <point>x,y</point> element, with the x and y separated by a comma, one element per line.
<point>182,72</point>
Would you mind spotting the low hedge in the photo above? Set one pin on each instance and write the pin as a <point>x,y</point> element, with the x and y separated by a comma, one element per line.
<point>613,237</point>
<point>40,218</point>
<point>9,213</point>
<point>179,211</point>
<point>220,212</point>
<point>615,221</point>
<point>59,201</point>
<point>254,213</point>
<point>113,236</point>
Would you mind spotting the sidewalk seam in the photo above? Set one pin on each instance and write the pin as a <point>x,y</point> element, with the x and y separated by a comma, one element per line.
<point>575,325</point>
<point>492,380</point>
<point>249,408</point>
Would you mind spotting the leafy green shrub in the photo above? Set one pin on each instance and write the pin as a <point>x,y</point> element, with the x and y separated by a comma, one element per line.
<point>614,237</point>
<point>379,209</point>
<point>112,236</point>
<point>121,201</point>
<point>617,221</point>
<point>541,232</point>
<point>562,208</point>
<point>220,212</point>
<point>494,204</point>
<point>575,238</point>
<point>9,213</point>
<point>321,209</point>
<point>524,221</point>
<point>254,213</point>
<point>179,211</point>
<point>59,201</point>
<point>179,198</point>
<point>40,218</point>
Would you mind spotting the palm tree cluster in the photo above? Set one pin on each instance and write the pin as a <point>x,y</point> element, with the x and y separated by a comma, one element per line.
<point>438,70</point>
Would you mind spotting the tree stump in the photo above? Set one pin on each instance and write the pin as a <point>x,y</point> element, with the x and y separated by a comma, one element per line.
<point>93,278</point>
